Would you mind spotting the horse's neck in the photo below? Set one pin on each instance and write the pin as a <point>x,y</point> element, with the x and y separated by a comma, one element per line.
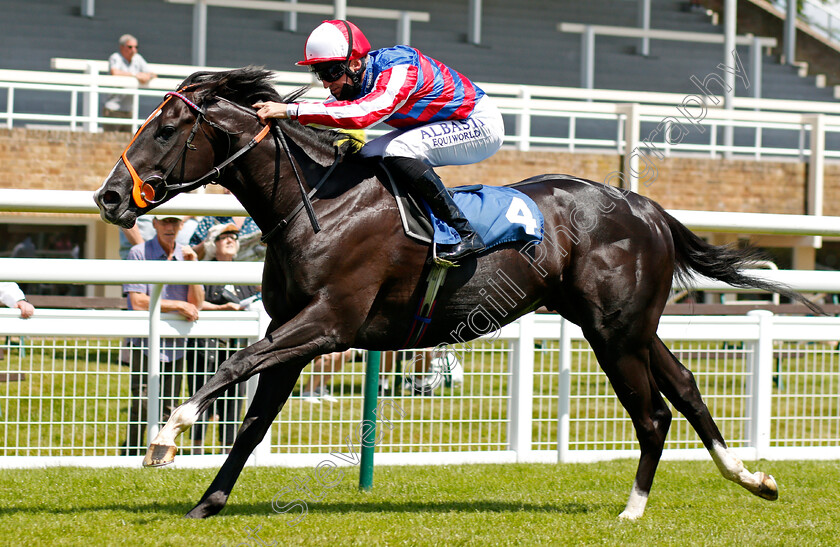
<point>270,191</point>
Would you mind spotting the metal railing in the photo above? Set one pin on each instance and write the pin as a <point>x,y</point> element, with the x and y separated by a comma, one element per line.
<point>589,32</point>
<point>531,392</point>
<point>566,118</point>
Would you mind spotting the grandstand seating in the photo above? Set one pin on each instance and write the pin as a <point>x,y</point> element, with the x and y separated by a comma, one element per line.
<point>520,41</point>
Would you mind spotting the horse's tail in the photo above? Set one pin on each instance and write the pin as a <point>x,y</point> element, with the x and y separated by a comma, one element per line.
<point>721,262</point>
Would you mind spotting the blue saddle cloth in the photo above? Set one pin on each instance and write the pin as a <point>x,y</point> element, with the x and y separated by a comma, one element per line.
<point>498,214</point>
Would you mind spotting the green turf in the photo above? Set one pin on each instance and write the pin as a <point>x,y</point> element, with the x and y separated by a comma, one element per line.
<point>437,505</point>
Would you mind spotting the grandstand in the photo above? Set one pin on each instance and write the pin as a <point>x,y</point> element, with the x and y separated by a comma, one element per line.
<point>520,42</point>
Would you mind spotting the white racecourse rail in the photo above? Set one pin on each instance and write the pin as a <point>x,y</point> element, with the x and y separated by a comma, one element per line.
<point>530,392</point>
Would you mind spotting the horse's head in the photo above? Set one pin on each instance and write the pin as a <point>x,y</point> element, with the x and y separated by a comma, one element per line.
<point>181,144</point>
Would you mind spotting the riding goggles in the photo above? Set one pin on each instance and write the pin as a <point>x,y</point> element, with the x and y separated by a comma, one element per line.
<point>329,72</point>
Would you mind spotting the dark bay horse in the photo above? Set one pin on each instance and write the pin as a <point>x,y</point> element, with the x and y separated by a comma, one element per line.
<point>606,263</point>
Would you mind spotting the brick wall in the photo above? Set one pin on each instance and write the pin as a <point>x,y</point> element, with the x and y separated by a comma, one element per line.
<point>57,160</point>
<point>62,160</point>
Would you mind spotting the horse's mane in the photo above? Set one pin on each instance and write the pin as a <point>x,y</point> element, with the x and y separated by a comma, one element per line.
<point>245,86</point>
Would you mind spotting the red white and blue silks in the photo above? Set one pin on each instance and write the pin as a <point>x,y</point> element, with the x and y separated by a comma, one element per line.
<point>402,88</point>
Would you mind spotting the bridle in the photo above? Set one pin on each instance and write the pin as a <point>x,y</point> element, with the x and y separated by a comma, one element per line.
<point>154,189</point>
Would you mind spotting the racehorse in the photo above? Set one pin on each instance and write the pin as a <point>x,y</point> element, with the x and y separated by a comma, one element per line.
<point>606,263</point>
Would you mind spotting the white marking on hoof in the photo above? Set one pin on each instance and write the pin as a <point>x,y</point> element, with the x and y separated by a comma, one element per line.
<point>182,418</point>
<point>635,505</point>
<point>732,468</point>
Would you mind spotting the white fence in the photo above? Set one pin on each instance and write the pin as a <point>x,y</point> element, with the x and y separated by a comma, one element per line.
<point>531,392</point>
<point>568,118</point>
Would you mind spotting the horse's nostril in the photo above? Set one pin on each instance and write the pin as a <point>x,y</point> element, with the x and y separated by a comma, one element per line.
<point>110,198</point>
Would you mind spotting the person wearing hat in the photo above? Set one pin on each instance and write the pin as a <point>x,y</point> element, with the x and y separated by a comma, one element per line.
<point>184,300</point>
<point>209,353</point>
<point>440,116</point>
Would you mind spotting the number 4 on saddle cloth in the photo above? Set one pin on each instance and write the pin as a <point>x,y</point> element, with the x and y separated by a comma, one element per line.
<point>499,215</point>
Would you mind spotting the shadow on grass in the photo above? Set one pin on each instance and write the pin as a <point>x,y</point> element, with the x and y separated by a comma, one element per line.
<point>454,506</point>
<point>252,509</point>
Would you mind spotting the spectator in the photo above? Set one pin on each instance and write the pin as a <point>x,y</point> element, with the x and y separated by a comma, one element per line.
<point>142,231</point>
<point>249,233</point>
<point>125,62</point>
<point>317,388</point>
<point>181,299</point>
<point>209,353</point>
<point>323,367</point>
<point>13,297</point>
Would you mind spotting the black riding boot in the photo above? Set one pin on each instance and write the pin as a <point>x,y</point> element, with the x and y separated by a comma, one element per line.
<point>424,179</point>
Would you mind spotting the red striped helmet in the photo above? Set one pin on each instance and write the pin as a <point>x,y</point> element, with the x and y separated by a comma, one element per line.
<point>335,40</point>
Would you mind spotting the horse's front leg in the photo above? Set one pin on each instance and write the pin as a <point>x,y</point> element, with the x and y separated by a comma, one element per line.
<point>273,390</point>
<point>291,346</point>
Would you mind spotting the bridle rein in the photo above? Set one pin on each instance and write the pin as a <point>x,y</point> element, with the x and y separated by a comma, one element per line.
<point>155,188</point>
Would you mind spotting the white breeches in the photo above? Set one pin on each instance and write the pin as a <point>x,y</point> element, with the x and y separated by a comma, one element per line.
<point>458,142</point>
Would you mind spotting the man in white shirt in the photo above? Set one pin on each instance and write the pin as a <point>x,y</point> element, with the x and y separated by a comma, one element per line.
<point>13,297</point>
<point>125,62</point>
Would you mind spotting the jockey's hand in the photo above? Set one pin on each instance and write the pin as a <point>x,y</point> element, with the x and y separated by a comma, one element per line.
<point>270,109</point>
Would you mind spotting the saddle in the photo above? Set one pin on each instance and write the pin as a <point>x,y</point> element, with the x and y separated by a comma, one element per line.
<point>499,214</point>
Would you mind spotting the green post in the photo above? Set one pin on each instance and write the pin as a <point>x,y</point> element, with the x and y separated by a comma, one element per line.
<point>369,420</point>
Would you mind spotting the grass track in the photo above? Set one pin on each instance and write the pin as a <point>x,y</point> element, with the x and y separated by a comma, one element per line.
<point>435,505</point>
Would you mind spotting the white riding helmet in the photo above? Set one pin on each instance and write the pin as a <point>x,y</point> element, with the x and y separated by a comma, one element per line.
<point>335,40</point>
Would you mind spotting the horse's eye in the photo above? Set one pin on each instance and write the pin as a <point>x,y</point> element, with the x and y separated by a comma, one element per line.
<point>165,132</point>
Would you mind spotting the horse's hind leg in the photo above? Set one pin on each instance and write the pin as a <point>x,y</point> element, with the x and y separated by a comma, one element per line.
<point>273,390</point>
<point>633,384</point>
<point>678,385</point>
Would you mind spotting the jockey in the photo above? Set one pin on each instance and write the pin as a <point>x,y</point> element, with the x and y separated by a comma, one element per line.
<point>440,116</point>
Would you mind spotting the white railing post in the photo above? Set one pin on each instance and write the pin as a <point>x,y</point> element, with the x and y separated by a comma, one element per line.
<point>523,119</point>
<point>816,171</point>
<point>404,28</point>
<point>74,106</point>
<point>290,19</point>
<point>474,27</point>
<point>564,391</point>
<point>761,384</point>
<point>790,32</point>
<point>632,132</point>
<point>10,108</point>
<point>90,101</point>
<point>587,58</point>
<point>340,9</point>
<point>644,24</point>
<point>522,389</point>
<point>755,55</point>
<point>199,33</point>
<point>263,450</point>
<point>153,362</point>
<point>87,8</point>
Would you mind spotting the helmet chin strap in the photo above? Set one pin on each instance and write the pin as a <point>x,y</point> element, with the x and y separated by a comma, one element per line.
<point>352,90</point>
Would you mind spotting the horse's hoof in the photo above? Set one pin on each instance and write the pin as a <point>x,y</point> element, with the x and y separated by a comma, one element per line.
<point>767,488</point>
<point>630,515</point>
<point>158,455</point>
